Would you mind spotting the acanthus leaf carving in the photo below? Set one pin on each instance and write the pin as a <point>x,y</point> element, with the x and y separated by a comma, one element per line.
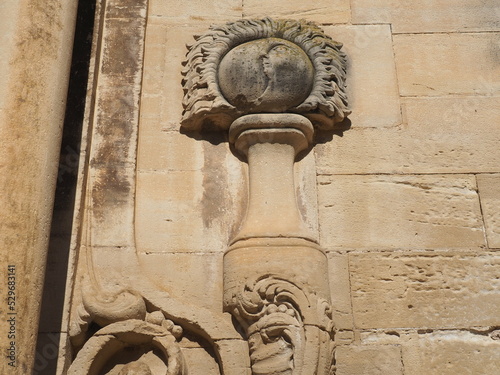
<point>286,327</point>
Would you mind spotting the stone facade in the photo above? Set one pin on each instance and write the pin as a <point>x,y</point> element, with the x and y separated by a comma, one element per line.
<point>382,212</point>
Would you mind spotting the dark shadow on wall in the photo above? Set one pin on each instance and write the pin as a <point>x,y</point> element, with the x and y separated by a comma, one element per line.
<point>57,260</point>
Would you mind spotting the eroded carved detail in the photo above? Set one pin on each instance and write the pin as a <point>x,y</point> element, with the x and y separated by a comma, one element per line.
<point>289,331</point>
<point>214,104</point>
<point>104,308</point>
<point>156,333</point>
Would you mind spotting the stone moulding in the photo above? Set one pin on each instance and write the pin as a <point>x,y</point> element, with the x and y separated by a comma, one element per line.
<point>205,107</point>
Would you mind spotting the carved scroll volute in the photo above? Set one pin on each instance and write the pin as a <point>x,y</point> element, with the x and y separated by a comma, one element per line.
<point>272,83</point>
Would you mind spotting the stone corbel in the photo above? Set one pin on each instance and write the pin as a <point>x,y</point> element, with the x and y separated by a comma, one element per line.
<point>271,83</point>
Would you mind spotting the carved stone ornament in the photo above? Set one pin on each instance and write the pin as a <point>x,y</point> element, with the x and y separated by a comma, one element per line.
<point>264,66</point>
<point>273,312</point>
<point>119,320</point>
<point>154,341</point>
<point>271,83</point>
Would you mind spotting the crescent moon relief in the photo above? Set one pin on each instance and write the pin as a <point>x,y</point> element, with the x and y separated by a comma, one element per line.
<point>263,66</point>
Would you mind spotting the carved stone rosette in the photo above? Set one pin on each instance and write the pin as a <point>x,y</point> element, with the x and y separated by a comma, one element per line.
<point>271,83</point>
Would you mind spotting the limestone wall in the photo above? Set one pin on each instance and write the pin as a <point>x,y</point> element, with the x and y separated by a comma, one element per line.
<point>405,201</point>
<point>408,197</point>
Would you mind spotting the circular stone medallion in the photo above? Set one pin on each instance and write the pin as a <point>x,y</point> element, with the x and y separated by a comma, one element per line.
<point>266,75</point>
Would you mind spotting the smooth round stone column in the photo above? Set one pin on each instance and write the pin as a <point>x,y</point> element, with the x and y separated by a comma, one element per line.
<point>35,60</point>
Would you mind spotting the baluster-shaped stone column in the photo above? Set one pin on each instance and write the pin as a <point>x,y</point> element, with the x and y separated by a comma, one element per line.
<point>270,142</point>
<point>275,275</point>
<point>271,83</point>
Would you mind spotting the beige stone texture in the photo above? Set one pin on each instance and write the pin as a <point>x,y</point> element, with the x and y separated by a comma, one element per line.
<point>338,272</point>
<point>394,212</point>
<point>195,11</point>
<point>369,360</point>
<point>197,278</point>
<point>199,362</point>
<point>489,194</point>
<point>427,351</point>
<point>8,28</point>
<point>170,201</point>
<point>167,150</point>
<point>235,363</point>
<point>372,85</point>
<point>321,11</point>
<point>440,135</point>
<point>161,90</point>
<point>450,353</point>
<point>306,192</point>
<point>429,16</point>
<point>438,289</point>
<point>447,64</point>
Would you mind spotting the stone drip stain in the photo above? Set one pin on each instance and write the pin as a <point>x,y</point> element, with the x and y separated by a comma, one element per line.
<point>215,201</point>
<point>114,159</point>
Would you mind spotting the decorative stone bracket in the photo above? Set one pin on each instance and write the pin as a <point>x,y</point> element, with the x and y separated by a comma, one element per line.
<point>271,83</point>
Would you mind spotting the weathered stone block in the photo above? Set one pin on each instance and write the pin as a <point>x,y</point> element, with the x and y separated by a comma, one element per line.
<point>369,360</point>
<point>167,205</point>
<point>441,135</point>
<point>425,289</point>
<point>112,214</point>
<point>371,74</point>
<point>338,271</point>
<point>450,353</point>
<point>196,11</point>
<point>489,193</point>
<point>175,274</point>
<point>448,134</point>
<point>429,16</point>
<point>447,64</point>
<point>199,362</point>
<point>160,150</point>
<point>395,212</point>
<point>205,202</point>
<point>162,90</point>
<point>154,58</point>
<point>321,11</point>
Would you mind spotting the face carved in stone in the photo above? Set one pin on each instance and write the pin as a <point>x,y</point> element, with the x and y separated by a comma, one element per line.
<point>266,75</point>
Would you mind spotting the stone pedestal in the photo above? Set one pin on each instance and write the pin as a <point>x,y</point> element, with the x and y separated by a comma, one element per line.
<point>275,275</point>
<point>270,142</point>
